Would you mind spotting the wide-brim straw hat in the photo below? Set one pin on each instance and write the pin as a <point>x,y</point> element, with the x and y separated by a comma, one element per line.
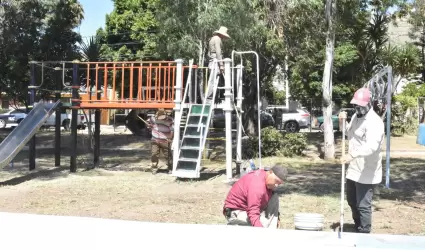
<point>222,31</point>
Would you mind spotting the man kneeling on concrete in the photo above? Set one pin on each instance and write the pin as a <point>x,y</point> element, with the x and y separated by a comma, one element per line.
<point>252,200</point>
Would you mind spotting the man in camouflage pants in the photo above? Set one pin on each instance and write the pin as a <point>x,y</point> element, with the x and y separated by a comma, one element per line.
<point>162,127</point>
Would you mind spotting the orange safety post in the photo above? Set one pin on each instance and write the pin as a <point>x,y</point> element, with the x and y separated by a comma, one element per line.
<point>157,89</point>
<point>122,83</point>
<point>131,82</point>
<point>97,80</point>
<point>113,82</point>
<point>162,90</point>
<point>149,82</point>
<point>169,81</point>
<point>172,83</point>
<point>88,79</point>
<point>105,83</point>
<point>139,83</point>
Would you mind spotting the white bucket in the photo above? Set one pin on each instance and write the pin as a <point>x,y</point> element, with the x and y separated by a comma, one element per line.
<point>309,221</point>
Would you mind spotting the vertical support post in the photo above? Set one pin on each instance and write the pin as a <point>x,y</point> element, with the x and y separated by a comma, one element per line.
<point>177,113</point>
<point>286,82</point>
<point>97,118</point>
<point>341,215</point>
<point>74,117</point>
<point>58,119</point>
<point>228,115</point>
<point>32,149</point>
<point>195,92</point>
<point>389,94</point>
<point>239,100</point>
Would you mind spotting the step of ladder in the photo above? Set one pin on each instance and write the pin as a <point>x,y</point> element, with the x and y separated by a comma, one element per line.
<point>193,141</point>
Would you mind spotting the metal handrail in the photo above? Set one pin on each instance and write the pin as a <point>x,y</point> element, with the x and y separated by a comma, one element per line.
<point>211,79</point>
<point>214,86</point>
<point>258,95</point>
<point>209,113</point>
<point>189,81</point>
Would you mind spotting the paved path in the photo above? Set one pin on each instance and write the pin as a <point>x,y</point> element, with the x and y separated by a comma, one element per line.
<point>27,231</point>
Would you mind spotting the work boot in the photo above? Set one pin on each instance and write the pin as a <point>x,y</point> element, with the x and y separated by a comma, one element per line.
<point>170,168</point>
<point>154,168</point>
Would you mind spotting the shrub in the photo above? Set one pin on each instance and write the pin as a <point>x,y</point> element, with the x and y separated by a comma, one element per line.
<point>273,143</point>
<point>404,116</point>
<point>294,144</point>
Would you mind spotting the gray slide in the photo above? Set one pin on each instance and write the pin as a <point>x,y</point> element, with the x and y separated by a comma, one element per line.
<point>20,136</point>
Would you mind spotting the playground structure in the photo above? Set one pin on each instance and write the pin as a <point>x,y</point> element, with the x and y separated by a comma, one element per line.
<point>164,94</point>
<point>139,85</point>
<point>161,84</point>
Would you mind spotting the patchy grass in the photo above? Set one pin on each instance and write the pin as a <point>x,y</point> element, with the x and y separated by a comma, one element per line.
<point>120,188</point>
<point>131,194</point>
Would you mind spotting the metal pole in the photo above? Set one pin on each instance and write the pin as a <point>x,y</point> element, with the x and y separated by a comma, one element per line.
<point>58,120</point>
<point>177,113</point>
<point>239,100</point>
<point>258,99</point>
<point>341,220</point>
<point>228,116</point>
<point>32,148</point>
<point>74,114</point>
<point>286,82</point>
<point>389,94</point>
<point>97,118</point>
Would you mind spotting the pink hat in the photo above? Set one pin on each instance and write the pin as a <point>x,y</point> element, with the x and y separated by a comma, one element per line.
<point>361,97</point>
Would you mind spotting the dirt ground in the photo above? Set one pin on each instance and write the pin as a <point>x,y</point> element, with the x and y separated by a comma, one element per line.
<point>120,188</point>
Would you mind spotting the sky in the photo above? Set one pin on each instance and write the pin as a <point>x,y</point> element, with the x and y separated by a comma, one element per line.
<point>94,15</point>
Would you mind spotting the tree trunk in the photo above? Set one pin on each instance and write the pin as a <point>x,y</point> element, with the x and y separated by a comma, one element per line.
<point>201,54</point>
<point>329,146</point>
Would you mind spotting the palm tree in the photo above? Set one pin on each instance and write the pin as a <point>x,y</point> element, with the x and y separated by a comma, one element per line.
<point>90,51</point>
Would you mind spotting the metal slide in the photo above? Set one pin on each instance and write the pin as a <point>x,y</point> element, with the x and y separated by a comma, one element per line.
<point>26,129</point>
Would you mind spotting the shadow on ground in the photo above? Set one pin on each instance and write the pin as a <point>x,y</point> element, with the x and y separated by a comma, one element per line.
<point>407,180</point>
<point>47,174</point>
<point>348,227</point>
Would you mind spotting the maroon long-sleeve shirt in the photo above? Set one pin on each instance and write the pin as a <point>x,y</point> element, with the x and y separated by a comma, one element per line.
<point>250,194</point>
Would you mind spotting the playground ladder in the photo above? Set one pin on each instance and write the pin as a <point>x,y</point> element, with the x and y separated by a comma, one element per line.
<point>195,133</point>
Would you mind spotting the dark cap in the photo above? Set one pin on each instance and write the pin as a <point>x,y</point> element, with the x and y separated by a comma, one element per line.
<point>280,171</point>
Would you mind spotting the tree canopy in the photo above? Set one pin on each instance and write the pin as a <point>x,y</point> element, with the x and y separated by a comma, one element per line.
<point>166,30</point>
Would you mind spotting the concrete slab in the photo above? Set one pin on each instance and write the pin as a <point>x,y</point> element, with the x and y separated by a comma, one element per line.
<point>27,231</point>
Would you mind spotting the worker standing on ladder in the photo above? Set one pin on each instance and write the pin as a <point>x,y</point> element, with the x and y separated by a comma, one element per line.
<point>162,127</point>
<point>215,51</point>
<point>365,134</point>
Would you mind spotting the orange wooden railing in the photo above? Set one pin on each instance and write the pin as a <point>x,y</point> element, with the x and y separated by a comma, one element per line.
<point>142,85</point>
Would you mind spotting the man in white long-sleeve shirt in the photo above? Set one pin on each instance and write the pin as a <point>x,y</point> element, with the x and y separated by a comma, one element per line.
<point>365,134</point>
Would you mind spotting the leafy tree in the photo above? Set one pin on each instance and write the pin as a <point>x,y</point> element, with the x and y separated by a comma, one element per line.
<point>416,17</point>
<point>404,60</point>
<point>130,31</point>
<point>186,26</point>
<point>36,30</point>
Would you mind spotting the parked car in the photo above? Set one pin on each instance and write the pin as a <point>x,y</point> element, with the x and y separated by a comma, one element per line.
<point>290,120</point>
<point>219,120</point>
<point>16,116</point>
<point>3,120</point>
<point>13,116</point>
<point>318,122</point>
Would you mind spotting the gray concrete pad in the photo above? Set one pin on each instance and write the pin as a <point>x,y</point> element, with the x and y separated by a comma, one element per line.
<point>27,231</point>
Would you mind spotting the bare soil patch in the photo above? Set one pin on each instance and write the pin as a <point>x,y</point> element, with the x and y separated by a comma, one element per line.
<point>121,188</point>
